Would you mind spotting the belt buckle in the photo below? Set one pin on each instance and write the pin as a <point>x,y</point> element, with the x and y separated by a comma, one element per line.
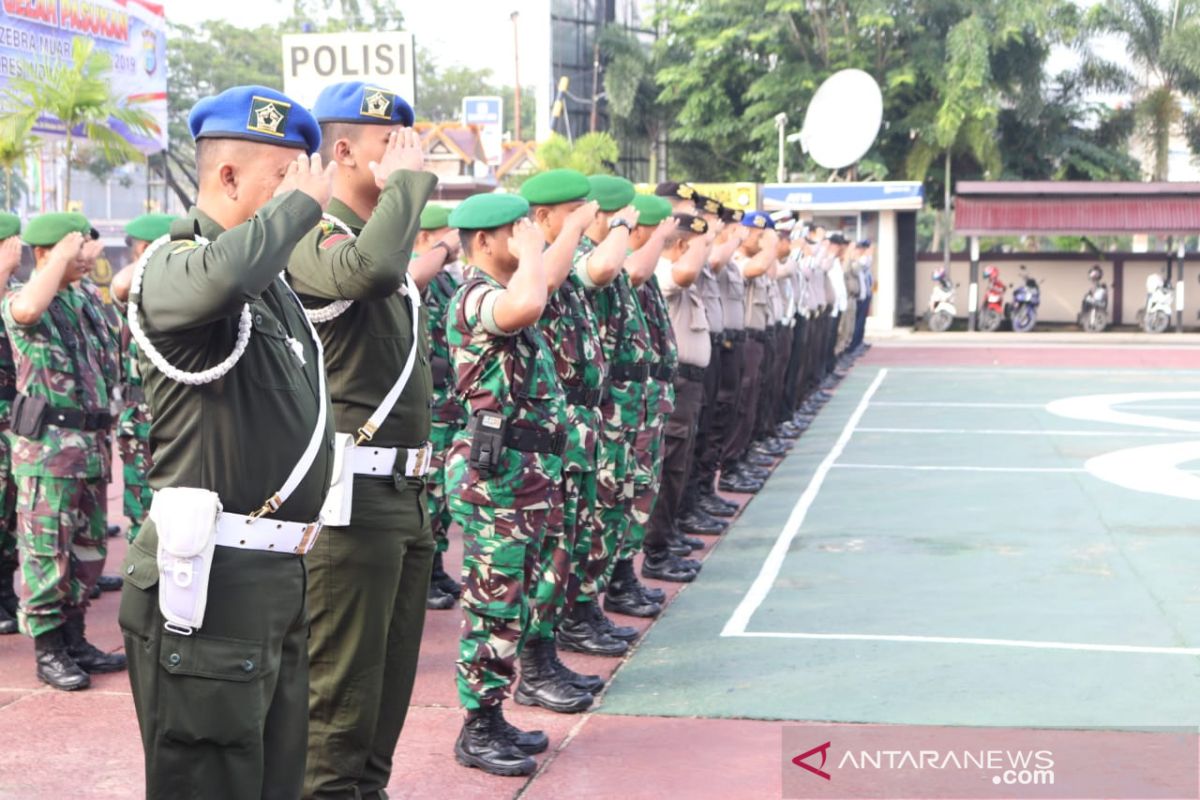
<point>309,538</point>
<point>421,460</point>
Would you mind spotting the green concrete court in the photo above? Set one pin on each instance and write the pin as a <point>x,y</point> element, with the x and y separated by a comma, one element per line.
<point>934,551</point>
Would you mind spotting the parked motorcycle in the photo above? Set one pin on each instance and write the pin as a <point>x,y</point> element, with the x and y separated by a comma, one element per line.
<point>941,312</point>
<point>1160,304</point>
<point>993,300</point>
<point>1022,311</point>
<point>1093,317</point>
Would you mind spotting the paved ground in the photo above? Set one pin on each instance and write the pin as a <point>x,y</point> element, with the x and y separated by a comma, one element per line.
<point>939,548</point>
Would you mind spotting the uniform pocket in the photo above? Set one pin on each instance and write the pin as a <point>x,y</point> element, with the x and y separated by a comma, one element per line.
<point>273,364</point>
<point>212,693</point>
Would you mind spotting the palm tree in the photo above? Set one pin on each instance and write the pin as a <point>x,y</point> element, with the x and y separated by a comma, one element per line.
<point>1163,44</point>
<point>13,151</point>
<point>77,94</point>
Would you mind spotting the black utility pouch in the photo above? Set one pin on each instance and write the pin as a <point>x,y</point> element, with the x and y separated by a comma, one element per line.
<point>28,416</point>
<point>487,441</point>
<point>440,369</point>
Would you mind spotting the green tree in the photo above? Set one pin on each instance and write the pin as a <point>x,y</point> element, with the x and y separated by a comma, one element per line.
<point>79,95</point>
<point>440,92</point>
<point>15,147</point>
<point>1163,44</point>
<point>637,116</point>
<point>591,154</point>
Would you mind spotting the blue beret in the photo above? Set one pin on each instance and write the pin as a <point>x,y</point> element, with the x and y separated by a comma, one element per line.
<point>757,219</point>
<point>362,104</point>
<point>256,114</point>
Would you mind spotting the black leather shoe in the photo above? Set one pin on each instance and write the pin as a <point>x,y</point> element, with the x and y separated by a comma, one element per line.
<point>754,473</point>
<point>651,594</point>
<point>438,600</point>
<point>113,531</point>
<point>772,447</point>
<point>690,541</point>
<point>442,580</point>
<point>578,633</point>
<point>94,594</point>
<point>802,422</point>
<point>485,743</point>
<point>542,685</point>
<point>739,483</point>
<point>8,595</point>
<point>679,548</point>
<point>528,742</point>
<point>110,583</point>
<point>715,506</point>
<point>592,684</point>
<point>701,522</point>
<point>759,459</point>
<point>7,623</point>
<point>787,430</point>
<point>625,594</point>
<point>55,666</point>
<point>90,658</point>
<point>664,566</point>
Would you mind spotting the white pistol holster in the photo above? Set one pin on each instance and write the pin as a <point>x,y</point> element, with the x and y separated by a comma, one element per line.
<point>186,521</point>
<point>340,499</point>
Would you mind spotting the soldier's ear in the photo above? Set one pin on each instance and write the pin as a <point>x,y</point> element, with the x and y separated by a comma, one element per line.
<point>343,153</point>
<point>228,177</point>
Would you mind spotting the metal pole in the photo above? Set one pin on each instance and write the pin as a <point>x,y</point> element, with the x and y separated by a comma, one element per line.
<point>781,124</point>
<point>1179,287</point>
<point>973,293</point>
<point>516,77</point>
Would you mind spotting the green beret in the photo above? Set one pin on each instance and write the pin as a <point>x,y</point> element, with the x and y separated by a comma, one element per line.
<point>482,212</point>
<point>149,227</point>
<point>49,229</point>
<point>611,192</point>
<point>434,217</point>
<point>10,225</point>
<point>555,186</point>
<point>651,209</point>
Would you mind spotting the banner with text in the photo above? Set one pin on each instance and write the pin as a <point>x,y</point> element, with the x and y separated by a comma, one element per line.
<point>312,61</point>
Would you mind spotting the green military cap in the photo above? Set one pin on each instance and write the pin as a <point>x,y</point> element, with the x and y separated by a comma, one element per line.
<point>611,192</point>
<point>149,227</point>
<point>651,209</point>
<point>555,186</point>
<point>10,225</point>
<point>49,229</point>
<point>482,212</point>
<point>434,217</point>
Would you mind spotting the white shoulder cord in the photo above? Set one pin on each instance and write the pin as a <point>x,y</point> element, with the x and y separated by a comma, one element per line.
<point>337,307</point>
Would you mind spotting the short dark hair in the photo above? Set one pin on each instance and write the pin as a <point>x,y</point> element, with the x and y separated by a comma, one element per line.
<point>466,237</point>
<point>331,132</point>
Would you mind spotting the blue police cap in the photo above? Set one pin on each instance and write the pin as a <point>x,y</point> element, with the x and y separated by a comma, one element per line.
<point>758,219</point>
<point>256,114</point>
<point>362,104</point>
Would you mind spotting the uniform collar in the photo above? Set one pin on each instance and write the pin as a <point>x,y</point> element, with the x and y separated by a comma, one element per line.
<point>342,211</point>
<point>209,228</point>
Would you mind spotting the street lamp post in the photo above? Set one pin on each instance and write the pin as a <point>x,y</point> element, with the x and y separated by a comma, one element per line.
<point>781,120</point>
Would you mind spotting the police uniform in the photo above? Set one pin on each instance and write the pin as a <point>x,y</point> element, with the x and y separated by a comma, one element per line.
<point>10,226</point>
<point>368,575</point>
<point>223,711</point>
<point>504,476</point>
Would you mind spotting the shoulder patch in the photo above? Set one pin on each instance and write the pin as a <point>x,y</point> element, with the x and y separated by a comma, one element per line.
<point>329,242</point>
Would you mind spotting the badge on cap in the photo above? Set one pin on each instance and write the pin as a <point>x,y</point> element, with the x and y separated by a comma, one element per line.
<point>760,222</point>
<point>685,192</point>
<point>699,225</point>
<point>377,103</point>
<point>711,206</point>
<point>268,116</point>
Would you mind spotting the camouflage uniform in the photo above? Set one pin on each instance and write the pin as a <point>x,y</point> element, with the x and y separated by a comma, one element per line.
<point>8,484</point>
<point>133,439</point>
<point>660,393</point>
<point>506,515</point>
<point>571,329</point>
<point>65,358</point>
<point>626,344</point>
<point>447,412</point>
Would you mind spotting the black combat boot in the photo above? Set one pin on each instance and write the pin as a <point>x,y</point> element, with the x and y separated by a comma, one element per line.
<point>625,593</point>
<point>8,595</point>
<point>7,623</point>
<point>440,578</point>
<point>55,666</point>
<point>542,685</point>
<point>110,583</point>
<point>485,743</point>
<point>625,633</point>
<point>113,531</point>
<point>589,683</point>
<point>578,634</point>
<point>528,742</point>
<point>437,599</point>
<point>91,658</point>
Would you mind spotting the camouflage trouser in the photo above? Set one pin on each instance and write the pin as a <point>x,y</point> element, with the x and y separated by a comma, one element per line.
<point>501,547</point>
<point>133,442</point>
<point>440,435</point>
<point>648,451</point>
<point>563,557</point>
<point>61,536</point>
<point>614,494</point>
<point>8,507</point>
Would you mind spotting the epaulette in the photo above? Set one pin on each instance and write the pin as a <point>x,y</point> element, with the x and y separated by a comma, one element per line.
<point>185,244</point>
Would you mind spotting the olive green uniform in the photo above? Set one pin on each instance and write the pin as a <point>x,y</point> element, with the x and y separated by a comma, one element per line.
<point>224,712</point>
<point>367,581</point>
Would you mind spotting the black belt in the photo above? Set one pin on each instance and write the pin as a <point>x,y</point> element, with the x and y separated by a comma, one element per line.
<point>757,335</point>
<point>8,392</point>
<point>662,372</point>
<point>580,396</point>
<point>133,394</point>
<point>692,373</point>
<point>78,419</point>
<point>736,335</point>
<point>535,440</point>
<point>717,339</point>
<point>631,372</point>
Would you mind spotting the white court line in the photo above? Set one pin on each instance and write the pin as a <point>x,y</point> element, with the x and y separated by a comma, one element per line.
<point>866,637</point>
<point>956,405</point>
<point>1110,372</point>
<point>770,569</point>
<point>938,468</point>
<point>1003,432</point>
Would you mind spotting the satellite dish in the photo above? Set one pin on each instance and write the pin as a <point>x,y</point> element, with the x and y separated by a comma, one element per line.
<point>843,119</point>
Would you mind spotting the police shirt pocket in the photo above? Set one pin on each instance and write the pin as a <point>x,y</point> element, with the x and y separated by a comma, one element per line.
<point>139,606</point>
<point>273,364</point>
<point>213,694</point>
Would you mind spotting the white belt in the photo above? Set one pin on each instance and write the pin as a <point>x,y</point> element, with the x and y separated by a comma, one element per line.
<point>367,460</point>
<point>265,533</point>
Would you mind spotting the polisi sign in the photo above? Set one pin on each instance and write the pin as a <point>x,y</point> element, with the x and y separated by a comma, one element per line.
<point>312,61</point>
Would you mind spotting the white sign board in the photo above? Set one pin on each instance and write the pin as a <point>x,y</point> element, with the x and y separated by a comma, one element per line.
<point>488,114</point>
<point>312,61</point>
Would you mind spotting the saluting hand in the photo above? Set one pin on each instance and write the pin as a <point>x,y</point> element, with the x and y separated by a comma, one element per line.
<point>403,151</point>
<point>630,214</point>
<point>67,250</point>
<point>453,241</point>
<point>526,239</point>
<point>308,175</point>
<point>582,217</point>
<point>10,259</point>
<point>91,250</point>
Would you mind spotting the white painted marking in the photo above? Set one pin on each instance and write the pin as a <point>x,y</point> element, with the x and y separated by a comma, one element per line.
<point>948,468</point>
<point>770,569</point>
<point>1153,469</point>
<point>1099,408</point>
<point>919,404</point>
<point>1004,432</point>
<point>866,637</point>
